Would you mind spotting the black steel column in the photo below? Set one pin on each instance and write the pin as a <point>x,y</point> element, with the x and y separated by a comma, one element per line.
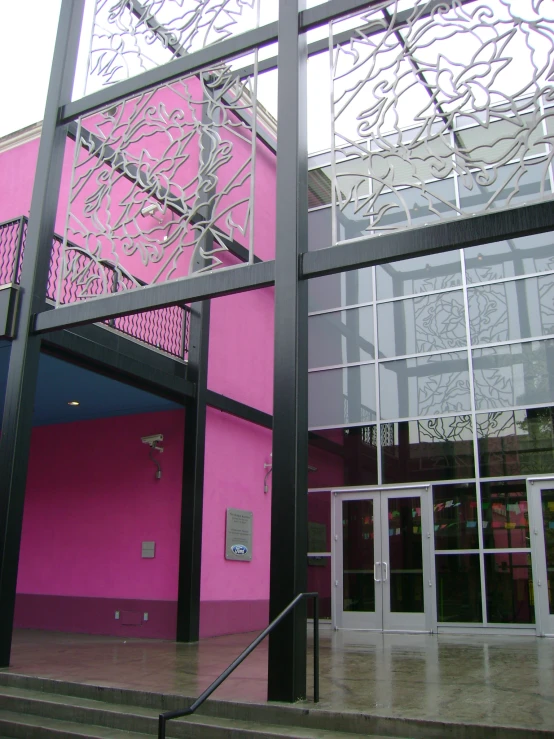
<point>190,557</point>
<point>25,351</point>
<point>287,644</point>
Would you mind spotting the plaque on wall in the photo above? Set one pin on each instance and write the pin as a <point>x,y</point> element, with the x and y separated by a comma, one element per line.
<point>238,535</point>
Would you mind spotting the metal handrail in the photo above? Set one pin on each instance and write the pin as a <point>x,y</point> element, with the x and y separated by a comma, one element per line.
<point>168,715</point>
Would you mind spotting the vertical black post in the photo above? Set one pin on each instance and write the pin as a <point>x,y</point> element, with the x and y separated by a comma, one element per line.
<point>25,351</point>
<point>287,644</point>
<point>190,557</point>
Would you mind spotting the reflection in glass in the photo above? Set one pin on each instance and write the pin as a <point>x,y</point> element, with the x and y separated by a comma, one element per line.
<point>340,337</point>
<point>319,229</point>
<point>419,275</point>
<point>516,442</point>
<point>319,581</point>
<point>319,522</point>
<point>517,374</point>
<point>547,505</point>
<point>455,516</point>
<point>458,588</point>
<point>405,566</point>
<point>433,449</point>
<point>511,258</point>
<point>509,588</point>
<point>343,456</point>
<point>512,310</point>
<point>341,396</point>
<point>428,323</point>
<point>358,542</point>
<point>505,515</point>
<point>509,186</point>
<point>425,386</point>
<point>340,290</point>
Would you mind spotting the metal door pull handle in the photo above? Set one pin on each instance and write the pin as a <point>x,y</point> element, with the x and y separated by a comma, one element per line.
<point>385,576</point>
<point>375,572</point>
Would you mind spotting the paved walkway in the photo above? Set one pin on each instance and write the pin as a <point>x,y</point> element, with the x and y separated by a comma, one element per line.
<point>482,679</point>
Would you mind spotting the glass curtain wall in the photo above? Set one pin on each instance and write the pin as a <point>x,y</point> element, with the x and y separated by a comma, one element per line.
<point>441,370</point>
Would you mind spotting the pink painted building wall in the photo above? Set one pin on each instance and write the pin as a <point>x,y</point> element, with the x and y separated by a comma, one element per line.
<point>92,497</point>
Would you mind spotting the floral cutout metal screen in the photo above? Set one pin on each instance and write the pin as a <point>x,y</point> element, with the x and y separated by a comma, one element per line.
<point>440,109</point>
<point>131,36</point>
<point>162,186</point>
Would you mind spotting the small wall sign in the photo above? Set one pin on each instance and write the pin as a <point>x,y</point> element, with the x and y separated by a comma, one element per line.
<point>238,535</point>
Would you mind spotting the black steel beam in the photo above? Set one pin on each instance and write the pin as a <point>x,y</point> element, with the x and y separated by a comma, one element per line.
<point>238,409</point>
<point>289,500</point>
<point>181,67</point>
<point>149,183</point>
<point>15,440</point>
<point>187,290</point>
<point>440,237</point>
<point>111,354</point>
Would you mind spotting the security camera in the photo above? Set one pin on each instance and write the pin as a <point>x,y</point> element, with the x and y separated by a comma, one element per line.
<point>150,209</point>
<point>152,440</point>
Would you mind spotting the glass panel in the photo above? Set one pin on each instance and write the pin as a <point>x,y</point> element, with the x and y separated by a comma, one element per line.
<point>340,290</point>
<point>424,386</point>
<point>342,396</point>
<point>458,588</point>
<point>344,456</point>
<point>505,515</point>
<point>319,581</point>
<point>358,541</point>
<point>519,374</point>
<point>424,324</point>
<point>455,516</point>
<point>512,310</point>
<point>419,275</point>
<point>319,229</point>
<point>319,522</point>
<point>510,258</point>
<point>505,186</point>
<point>509,588</point>
<point>516,442</point>
<point>408,207</point>
<point>547,505</point>
<point>340,338</point>
<point>421,451</point>
<point>405,555</point>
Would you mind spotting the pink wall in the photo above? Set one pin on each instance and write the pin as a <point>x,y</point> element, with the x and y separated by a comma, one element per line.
<point>91,499</point>
<point>17,172</point>
<point>234,594</point>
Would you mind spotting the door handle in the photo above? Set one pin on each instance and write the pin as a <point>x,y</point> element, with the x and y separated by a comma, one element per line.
<point>386,575</point>
<point>375,572</point>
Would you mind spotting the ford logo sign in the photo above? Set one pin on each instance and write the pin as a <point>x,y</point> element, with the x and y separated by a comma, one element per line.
<point>239,549</point>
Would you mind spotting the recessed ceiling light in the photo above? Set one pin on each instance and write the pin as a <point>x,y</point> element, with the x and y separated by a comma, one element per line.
<point>73,402</point>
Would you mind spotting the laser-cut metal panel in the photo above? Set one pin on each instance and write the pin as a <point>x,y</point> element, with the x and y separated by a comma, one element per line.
<point>449,115</point>
<point>162,182</point>
<point>130,37</point>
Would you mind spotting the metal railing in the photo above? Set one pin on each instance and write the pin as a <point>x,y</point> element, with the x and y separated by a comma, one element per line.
<point>168,715</point>
<point>166,329</point>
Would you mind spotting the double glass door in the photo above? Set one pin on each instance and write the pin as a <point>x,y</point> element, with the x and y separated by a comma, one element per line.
<point>381,560</point>
<point>541,509</point>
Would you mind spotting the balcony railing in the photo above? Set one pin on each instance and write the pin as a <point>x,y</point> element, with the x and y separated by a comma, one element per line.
<point>166,329</point>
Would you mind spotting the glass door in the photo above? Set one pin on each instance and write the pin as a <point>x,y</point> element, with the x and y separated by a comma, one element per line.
<point>381,560</point>
<point>541,499</point>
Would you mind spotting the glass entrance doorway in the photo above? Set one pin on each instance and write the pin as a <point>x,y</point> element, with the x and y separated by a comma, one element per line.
<point>382,577</point>
<point>541,504</point>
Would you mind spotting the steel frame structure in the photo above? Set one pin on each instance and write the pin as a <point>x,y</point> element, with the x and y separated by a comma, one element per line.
<point>288,272</point>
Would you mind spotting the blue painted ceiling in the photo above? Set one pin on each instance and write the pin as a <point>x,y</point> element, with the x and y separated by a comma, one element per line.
<point>98,396</point>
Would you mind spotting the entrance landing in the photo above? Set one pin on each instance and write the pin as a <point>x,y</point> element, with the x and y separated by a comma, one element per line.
<point>495,680</point>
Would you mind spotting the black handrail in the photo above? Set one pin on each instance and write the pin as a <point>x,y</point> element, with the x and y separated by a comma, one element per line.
<point>164,717</point>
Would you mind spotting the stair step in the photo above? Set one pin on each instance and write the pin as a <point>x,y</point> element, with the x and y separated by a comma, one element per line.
<point>33,710</point>
<point>18,726</point>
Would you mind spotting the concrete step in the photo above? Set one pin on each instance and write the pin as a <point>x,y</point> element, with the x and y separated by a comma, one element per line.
<point>135,711</point>
<point>23,710</point>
